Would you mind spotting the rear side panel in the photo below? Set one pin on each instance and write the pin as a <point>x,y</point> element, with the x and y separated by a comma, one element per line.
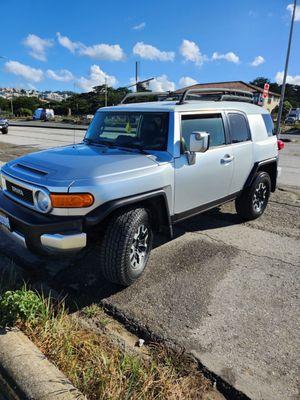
<point>264,146</point>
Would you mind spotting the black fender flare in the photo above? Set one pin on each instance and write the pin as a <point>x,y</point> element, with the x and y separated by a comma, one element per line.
<point>104,210</point>
<point>270,164</point>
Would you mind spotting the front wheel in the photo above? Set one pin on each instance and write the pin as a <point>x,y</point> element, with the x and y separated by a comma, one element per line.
<point>4,131</point>
<point>253,201</point>
<point>126,246</point>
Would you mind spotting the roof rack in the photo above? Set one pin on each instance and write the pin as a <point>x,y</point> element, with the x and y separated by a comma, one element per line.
<point>213,94</point>
<point>161,96</point>
<point>217,94</point>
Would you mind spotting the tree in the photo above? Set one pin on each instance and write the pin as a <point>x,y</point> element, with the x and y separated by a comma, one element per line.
<point>25,112</point>
<point>286,108</point>
<point>30,103</point>
<point>4,105</point>
<point>260,81</point>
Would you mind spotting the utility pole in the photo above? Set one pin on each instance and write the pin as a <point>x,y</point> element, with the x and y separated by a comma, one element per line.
<point>137,74</point>
<point>285,71</point>
<point>105,101</point>
<point>12,106</point>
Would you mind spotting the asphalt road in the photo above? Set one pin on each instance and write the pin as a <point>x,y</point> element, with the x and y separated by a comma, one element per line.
<point>41,138</point>
<point>33,139</point>
<point>227,291</point>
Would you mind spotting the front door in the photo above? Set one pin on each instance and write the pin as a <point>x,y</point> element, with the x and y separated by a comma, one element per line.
<point>209,178</point>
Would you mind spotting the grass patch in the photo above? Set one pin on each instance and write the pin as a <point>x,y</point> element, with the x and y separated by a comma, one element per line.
<point>95,365</point>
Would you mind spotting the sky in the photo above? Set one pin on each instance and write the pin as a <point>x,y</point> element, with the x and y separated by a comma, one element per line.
<point>75,45</point>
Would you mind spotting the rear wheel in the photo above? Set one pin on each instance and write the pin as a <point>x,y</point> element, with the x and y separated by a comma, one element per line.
<point>253,201</point>
<point>4,131</point>
<point>126,246</point>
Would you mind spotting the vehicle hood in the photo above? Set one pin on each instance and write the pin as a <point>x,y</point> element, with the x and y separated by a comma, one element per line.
<point>72,163</point>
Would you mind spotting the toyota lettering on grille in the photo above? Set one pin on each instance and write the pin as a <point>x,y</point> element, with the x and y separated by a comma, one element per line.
<point>17,191</point>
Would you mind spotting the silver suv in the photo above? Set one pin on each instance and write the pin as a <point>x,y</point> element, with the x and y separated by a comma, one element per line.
<point>141,168</point>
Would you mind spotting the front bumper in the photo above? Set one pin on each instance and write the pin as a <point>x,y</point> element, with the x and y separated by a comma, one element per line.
<point>39,232</point>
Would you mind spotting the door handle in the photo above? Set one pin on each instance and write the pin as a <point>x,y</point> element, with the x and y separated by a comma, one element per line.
<point>227,159</point>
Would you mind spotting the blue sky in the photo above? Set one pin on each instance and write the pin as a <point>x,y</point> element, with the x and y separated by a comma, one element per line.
<point>62,45</point>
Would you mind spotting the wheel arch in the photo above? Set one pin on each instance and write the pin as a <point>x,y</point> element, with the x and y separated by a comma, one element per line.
<point>269,166</point>
<point>155,202</point>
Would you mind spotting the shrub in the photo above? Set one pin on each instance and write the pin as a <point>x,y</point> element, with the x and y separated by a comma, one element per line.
<point>22,305</point>
<point>25,112</point>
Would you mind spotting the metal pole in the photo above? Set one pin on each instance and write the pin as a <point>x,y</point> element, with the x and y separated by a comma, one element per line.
<point>137,73</point>
<point>12,106</point>
<point>105,92</point>
<point>285,71</point>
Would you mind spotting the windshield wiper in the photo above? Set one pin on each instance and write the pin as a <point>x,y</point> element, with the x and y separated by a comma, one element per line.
<point>95,142</point>
<point>138,147</point>
<point>107,143</point>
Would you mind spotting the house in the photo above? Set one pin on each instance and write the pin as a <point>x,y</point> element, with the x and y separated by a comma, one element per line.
<point>269,103</point>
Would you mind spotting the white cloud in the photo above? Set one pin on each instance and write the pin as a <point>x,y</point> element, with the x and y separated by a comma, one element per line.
<point>149,52</point>
<point>27,72</point>
<point>293,80</point>
<point>62,75</point>
<point>161,84</point>
<point>258,61</point>
<point>191,52</point>
<point>187,81</point>
<point>96,78</point>
<point>100,51</point>
<point>67,43</point>
<point>103,52</point>
<point>31,86</point>
<point>230,57</point>
<point>37,46</point>
<point>252,13</point>
<point>139,27</point>
<point>290,8</point>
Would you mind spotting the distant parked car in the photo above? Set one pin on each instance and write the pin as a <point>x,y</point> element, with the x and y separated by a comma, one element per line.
<point>293,116</point>
<point>44,114</point>
<point>4,126</point>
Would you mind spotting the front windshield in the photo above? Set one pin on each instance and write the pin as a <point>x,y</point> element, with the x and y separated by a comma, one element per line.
<point>144,130</point>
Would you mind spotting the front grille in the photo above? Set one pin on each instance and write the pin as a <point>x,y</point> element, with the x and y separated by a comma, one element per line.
<point>20,192</point>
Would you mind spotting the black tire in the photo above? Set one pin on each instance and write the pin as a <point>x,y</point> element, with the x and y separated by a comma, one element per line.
<point>4,131</point>
<point>253,200</point>
<point>117,254</point>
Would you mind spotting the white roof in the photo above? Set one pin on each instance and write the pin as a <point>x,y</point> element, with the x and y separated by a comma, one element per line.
<point>247,108</point>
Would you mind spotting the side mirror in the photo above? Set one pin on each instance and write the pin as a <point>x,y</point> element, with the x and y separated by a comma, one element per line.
<point>199,142</point>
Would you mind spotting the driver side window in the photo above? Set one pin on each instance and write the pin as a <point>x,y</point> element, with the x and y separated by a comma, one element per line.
<point>210,123</point>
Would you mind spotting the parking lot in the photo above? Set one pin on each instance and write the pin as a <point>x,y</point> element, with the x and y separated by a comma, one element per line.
<point>227,291</point>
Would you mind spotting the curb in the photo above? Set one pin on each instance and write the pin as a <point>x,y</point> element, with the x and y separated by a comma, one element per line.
<point>60,126</point>
<point>31,372</point>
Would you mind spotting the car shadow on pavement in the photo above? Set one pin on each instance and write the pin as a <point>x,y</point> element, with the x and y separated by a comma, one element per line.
<point>78,279</point>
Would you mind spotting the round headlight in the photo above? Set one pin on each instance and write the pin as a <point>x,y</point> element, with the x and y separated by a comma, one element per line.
<point>43,201</point>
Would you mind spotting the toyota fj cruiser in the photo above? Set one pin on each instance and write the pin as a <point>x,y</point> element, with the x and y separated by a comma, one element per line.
<point>141,168</point>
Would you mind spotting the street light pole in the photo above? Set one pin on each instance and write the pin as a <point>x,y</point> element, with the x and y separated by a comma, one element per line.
<point>12,106</point>
<point>285,71</point>
<point>105,91</point>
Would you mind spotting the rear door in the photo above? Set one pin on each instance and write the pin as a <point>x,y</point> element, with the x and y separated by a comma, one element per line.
<point>242,148</point>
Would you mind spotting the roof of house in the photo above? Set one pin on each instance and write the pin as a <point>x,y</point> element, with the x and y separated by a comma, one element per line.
<point>190,105</point>
<point>228,85</point>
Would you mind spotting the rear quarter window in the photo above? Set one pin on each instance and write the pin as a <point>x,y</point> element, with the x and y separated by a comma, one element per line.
<point>268,124</point>
<point>239,130</point>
